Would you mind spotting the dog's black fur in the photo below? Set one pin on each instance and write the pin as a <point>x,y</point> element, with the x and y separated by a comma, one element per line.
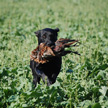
<point>52,68</point>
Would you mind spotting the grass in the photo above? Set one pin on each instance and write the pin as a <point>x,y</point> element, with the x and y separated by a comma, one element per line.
<point>83,80</point>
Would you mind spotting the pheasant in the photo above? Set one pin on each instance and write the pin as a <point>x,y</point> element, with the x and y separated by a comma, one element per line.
<point>43,53</point>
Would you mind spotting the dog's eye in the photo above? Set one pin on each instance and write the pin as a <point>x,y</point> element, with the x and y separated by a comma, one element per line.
<point>44,37</point>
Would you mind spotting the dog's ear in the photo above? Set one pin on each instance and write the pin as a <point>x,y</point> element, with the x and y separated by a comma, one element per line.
<point>57,29</point>
<point>37,33</point>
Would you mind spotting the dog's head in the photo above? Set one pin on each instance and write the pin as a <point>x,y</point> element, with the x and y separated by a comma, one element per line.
<point>47,36</point>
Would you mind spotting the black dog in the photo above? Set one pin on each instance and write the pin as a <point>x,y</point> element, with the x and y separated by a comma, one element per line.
<point>52,68</point>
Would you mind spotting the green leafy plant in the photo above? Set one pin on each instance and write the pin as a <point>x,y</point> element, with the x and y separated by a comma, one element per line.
<point>83,80</point>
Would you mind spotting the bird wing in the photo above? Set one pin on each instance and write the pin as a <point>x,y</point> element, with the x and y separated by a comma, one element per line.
<point>42,53</point>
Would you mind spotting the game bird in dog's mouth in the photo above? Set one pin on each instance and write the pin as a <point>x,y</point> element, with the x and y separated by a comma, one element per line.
<point>44,53</point>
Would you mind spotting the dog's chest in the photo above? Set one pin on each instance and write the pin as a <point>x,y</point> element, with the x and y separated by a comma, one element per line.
<point>50,67</point>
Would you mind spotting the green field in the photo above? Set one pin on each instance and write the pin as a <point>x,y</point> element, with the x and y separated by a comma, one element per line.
<point>83,80</point>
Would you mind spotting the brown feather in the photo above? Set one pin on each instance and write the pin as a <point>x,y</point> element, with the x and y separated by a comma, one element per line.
<point>43,53</point>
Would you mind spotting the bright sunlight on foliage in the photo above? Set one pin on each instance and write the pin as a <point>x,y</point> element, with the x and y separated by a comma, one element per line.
<point>83,80</point>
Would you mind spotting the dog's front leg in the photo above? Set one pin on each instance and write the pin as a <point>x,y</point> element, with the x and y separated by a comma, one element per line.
<point>36,79</point>
<point>43,77</point>
<point>51,80</point>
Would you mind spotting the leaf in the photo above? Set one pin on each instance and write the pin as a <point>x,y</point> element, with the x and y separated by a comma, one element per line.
<point>13,98</point>
<point>69,71</point>
<point>86,103</point>
<point>24,105</point>
<point>104,90</point>
<point>64,103</point>
<point>57,84</point>
<point>96,105</point>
